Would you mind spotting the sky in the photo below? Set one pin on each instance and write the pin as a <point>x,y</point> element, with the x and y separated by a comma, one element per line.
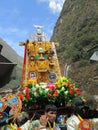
<point>18,17</point>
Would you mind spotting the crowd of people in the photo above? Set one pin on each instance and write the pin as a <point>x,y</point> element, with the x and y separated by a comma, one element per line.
<point>81,117</point>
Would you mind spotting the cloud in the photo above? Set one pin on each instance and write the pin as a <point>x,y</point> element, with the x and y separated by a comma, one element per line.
<point>54,5</point>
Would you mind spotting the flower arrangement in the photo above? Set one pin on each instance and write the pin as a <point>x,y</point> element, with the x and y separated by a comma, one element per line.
<point>61,92</point>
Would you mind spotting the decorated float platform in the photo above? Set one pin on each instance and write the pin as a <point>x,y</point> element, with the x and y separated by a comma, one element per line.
<point>42,83</point>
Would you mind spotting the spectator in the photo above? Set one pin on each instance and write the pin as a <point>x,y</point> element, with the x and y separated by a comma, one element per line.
<point>46,121</point>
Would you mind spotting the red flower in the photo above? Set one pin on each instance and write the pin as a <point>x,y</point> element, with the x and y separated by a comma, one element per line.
<point>77,89</point>
<point>71,91</point>
<point>71,86</point>
<point>51,87</point>
<point>56,93</point>
<point>27,90</point>
<point>49,95</point>
<point>79,93</point>
<point>21,96</point>
<point>28,96</point>
<point>68,84</point>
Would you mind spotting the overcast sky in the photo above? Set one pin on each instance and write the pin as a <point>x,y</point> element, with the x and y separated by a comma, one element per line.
<point>17,18</point>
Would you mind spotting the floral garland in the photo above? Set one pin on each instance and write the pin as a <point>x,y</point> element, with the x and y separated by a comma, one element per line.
<point>61,92</point>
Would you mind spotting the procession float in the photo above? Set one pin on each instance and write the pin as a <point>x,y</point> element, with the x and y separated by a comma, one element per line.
<point>42,81</point>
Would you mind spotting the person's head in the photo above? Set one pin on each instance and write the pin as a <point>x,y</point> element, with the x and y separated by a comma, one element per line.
<point>51,112</point>
<point>81,108</point>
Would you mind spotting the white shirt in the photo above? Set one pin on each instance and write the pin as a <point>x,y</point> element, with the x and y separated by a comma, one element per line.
<point>72,122</point>
<point>26,125</point>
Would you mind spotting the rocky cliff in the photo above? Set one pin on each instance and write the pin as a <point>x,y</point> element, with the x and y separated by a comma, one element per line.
<point>76,30</point>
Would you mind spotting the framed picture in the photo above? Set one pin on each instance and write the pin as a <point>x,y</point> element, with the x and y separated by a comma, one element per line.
<point>32,75</point>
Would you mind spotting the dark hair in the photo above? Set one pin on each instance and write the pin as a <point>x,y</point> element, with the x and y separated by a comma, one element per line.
<point>50,107</point>
<point>81,108</point>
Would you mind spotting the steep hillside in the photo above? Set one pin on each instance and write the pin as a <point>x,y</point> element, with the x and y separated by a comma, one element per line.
<point>13,57</point>
<point>76,31</point>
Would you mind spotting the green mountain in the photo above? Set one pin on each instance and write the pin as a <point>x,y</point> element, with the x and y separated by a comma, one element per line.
<point>10,67</point>
<point>76,30</point>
